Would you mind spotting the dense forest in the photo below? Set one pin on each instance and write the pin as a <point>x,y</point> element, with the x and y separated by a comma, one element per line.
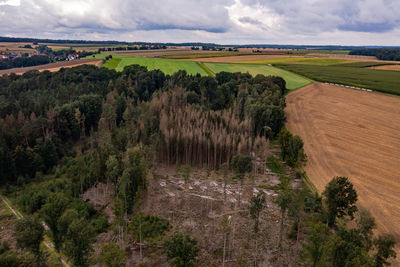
<point>379,53</point>
<point>81,133</point>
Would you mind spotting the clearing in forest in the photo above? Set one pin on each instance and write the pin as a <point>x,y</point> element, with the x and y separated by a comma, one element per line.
<point>356,134</point>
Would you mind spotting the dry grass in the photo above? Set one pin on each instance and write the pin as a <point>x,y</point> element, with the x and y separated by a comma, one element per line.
<point>53,66</point>
<point>355,134</point>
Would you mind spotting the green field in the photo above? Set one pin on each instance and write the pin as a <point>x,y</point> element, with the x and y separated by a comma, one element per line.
<point>293,81</point>
<point>112,64</point>
<point>297,60</point>
<point>167,66</point>
<point>380,80</point>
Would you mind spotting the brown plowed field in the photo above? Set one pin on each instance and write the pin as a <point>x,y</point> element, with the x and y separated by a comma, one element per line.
<point>53,66</point>
<point>387,67</point>
<point>355,134</point>
<point>239,58</point>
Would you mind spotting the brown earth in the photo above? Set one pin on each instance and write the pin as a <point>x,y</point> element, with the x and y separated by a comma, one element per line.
<point>355,134</point>
<point>238,58</point>
<point>53,66</point>
<point>387,67</point>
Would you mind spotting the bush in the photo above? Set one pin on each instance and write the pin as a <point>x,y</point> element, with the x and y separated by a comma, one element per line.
<point>182,250</point>
<point>150,226</point>
<point>274,165</point>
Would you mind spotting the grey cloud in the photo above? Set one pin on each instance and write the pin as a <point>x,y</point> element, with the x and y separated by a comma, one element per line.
<point>250,20</point>
<point>298,21</point>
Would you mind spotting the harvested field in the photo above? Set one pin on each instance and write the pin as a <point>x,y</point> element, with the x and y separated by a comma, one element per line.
<point>355,134</point>
<point>387,67</point>
<point>240,58</point>
<point>53,66</point>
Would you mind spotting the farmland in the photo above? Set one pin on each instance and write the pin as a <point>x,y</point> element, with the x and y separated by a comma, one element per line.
<point>297,60</point>
<point>350,74</point>
<point>169,66</point>
<point>166,65</point>
<point>52,66</point>
<point>293,81</point>
<point>355,134</point>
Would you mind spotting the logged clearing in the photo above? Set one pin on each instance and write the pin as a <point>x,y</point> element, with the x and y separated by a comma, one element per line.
<point>53,66</point>
<point>355,134</point>
<point>387,67</point>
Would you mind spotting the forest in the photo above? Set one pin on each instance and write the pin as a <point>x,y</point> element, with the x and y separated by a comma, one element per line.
<point>379,53</point>
<point>68,133</point>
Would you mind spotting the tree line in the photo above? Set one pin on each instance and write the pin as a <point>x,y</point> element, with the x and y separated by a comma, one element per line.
<point>379,53</point>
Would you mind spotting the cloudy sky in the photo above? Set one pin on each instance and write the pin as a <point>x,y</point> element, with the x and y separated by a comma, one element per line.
<point>343,22</point>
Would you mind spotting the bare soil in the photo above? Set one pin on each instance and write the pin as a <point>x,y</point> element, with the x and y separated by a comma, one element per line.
<point>239,58</point>
<point>387,67</point>
<point>53,66</point>
<point>355,134</point>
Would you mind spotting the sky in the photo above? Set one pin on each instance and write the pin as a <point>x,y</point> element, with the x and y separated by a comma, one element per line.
<point>303,22</point>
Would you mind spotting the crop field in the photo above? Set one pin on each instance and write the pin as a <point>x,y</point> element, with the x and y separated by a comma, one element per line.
<point>320,61</point>
<point>52,66</point>
<point>167,66</point>
<point>293,81</point>
<point>355,134</point>
<point>380,80</point>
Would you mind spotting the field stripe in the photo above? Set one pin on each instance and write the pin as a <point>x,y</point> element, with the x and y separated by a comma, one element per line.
<point>206,69</point>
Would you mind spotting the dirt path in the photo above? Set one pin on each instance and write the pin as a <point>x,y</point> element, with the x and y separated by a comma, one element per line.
<point>356,134</point>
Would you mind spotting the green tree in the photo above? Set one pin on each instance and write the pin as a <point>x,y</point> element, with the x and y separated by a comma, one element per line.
<point>112,255</point>
<point>134,176</point>
<point>316,250</point>
<point>52,212</point>
<point>29,234</point>
<point>365,225</point>
<point>292,151</point>
<point>384,245</point>
<point>78,241</point>
<point>340,199</point>
<point>182,250</point>
<point>349,250</point>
